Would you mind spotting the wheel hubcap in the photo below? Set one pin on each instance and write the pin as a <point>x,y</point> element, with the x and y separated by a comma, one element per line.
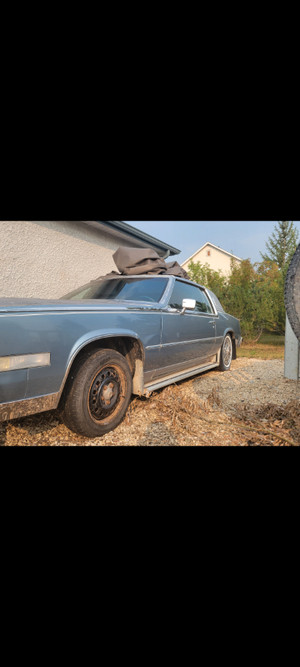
<point>227,351</point>
<point>104,393</point>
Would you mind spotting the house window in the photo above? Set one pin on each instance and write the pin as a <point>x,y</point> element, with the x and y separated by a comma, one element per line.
<point>208,253</point>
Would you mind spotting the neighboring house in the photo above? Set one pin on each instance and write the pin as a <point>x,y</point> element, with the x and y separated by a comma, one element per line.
<point>50,258</point>
<point>217,258</point>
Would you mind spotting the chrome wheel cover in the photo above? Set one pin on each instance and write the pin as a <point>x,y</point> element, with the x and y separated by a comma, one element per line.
<point>227,351</point>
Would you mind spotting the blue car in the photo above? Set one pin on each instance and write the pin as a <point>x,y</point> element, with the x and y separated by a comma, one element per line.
<point>88,352</point>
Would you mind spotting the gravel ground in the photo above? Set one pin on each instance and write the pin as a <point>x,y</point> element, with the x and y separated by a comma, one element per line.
<point>250,381</point>
<point>233,408</point>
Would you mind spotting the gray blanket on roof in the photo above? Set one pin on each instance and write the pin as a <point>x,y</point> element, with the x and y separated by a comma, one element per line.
<point>137,261</point>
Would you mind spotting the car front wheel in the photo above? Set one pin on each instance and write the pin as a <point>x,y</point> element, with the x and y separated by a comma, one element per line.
<point>97,394</point>
<point>226,353</point>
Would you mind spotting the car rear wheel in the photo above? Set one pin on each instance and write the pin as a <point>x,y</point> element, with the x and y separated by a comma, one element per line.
<point>226,353</point>
<point>97,394</point>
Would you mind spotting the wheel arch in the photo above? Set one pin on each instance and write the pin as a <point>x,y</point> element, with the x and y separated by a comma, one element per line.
<point>126,343</point>
<point>232,334</point>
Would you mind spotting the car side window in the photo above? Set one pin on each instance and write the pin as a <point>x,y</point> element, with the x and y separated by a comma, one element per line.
<point>184,291</point>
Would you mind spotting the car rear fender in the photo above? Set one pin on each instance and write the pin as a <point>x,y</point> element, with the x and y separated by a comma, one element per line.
<point>232,334</point>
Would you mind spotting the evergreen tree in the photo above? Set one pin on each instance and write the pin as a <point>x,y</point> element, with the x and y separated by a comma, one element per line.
<point>281,245</point>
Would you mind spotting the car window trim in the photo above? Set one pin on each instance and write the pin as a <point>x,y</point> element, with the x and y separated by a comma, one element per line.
<point>200,287</point>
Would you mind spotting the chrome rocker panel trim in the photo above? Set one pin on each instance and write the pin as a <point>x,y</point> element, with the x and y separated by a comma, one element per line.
<point>28,406</point>
<point>176,377</point>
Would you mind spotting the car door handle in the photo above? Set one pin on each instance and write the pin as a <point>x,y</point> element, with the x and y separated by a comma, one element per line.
<point>211,322</point>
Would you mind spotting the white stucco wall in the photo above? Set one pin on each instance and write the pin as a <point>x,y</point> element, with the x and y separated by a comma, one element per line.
<point>217,260</point>
<point>48,259</point>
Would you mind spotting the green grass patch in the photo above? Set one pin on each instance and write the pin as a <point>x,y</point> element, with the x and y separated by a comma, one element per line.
<point>271,339</point>
<point>269,346</point>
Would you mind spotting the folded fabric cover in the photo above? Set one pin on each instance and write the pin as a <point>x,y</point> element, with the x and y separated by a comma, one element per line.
<point>137,261</point>
<point>134,261</point>
<point>174,269</point>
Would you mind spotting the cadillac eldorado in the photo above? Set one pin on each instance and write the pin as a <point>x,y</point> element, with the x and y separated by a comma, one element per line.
<point>89,351</point>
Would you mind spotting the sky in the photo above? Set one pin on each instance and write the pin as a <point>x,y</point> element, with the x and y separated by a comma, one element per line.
<point>244,239</point>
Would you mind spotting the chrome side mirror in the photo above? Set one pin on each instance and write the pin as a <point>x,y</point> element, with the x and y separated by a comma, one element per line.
<point>188,304</point>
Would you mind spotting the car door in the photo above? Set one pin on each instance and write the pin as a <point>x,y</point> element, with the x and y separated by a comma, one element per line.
<point>189,338</point>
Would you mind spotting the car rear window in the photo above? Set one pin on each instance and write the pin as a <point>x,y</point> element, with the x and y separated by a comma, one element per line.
<point>216,301</point>
<point>125,289</point>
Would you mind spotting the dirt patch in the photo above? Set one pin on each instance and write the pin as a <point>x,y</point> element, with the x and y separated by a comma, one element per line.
<point>252,404</point>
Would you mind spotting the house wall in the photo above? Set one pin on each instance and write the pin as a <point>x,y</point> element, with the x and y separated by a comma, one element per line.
<point>217,260</point>
<point>48,259</point>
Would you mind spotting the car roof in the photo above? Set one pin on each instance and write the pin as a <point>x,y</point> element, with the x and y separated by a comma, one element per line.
<point>110,276</point>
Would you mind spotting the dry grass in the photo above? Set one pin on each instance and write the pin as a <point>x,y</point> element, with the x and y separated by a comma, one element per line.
<point>182,418</point>
<point>260,351</point>
<point>280,425</point>
<point>193,421</point>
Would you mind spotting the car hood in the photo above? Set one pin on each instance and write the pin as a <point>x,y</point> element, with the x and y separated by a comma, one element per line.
<point>8,305</point>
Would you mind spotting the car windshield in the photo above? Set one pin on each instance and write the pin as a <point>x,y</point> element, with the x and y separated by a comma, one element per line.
<point>125,289</point>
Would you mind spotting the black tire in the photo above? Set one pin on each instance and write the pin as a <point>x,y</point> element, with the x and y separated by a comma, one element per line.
<point>97,394</point>
<point>226,353</point>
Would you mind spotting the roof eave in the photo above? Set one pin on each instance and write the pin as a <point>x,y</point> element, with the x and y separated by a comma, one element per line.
<point>140,236</point>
